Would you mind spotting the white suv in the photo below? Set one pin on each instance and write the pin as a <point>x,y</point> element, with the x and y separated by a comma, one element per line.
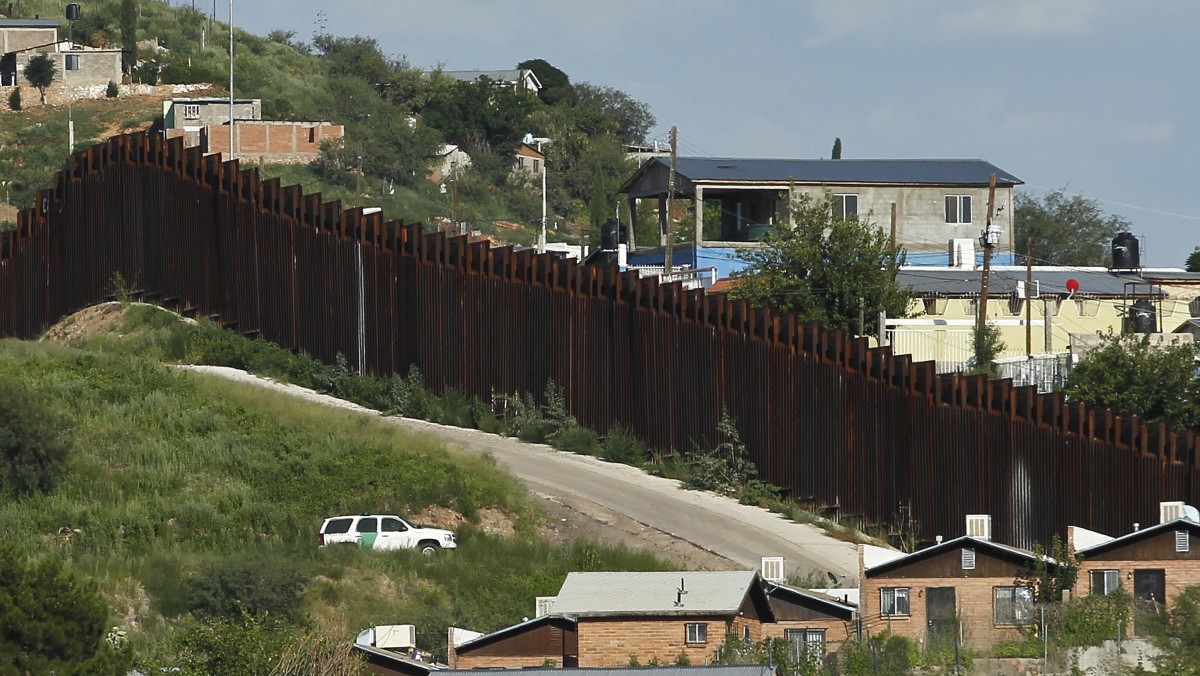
<point>383,531</point>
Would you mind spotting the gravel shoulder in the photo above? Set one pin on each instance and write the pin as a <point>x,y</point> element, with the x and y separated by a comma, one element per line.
<point>588,498</point>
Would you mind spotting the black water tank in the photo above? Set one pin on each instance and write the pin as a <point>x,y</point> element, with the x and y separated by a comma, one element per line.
<point>1142,317</point>
<point>73,12</point>
<point>609,235</point>
<point>1125,252</point>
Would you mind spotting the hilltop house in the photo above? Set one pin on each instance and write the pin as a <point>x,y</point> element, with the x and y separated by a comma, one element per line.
<point>77,65</point>
<point>204,122</point>
<point>520,79</point>
<point>933,201</point>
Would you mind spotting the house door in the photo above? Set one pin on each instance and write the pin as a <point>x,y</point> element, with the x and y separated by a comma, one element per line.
<point>940,615</point>
<point>1149,594</point>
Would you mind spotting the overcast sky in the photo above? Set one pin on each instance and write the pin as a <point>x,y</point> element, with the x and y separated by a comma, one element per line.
<point>1096,96</point>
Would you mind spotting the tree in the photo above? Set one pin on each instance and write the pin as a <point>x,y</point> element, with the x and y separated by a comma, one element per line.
<point>986,345</point>
<point>33,451</point>
<point>1193,260</point>
<point>40,72</point>
<point>1179,638</point>
<point>14,99</point>
<point>837,149</point>
<point>128,19</point>
<point>556,86</point>
<point>1129,375</point>
<point>825,269</point>
<point>622,115</point>
<point>54,622</point>
<point>1066,229</point>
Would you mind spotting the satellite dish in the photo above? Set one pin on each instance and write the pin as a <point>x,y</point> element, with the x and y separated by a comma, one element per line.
<point>527,139</point>
<point>1191,514</point>
<point>1073,285</point>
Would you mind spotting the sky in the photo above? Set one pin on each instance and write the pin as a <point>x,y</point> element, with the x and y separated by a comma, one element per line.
<point>1098,97</point>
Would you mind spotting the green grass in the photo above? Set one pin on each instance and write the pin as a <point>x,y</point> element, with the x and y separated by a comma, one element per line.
<point>176,479</point>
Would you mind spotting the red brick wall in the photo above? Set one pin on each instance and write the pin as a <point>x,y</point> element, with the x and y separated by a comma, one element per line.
<point>836,631</point>
<point>505,662</point>
<point>256,139</point>
<point>1178,574</point>
<point>973,597</point>
<point>610,643</point>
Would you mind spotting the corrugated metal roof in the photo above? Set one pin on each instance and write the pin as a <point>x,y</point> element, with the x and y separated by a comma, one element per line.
<point>29,23</point>
<point>657,593</point>
<point>857,172</point>
<point>709,670</point>
<point>1003,281</point>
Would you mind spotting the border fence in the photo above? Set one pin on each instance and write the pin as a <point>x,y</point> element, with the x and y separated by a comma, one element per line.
<point>839,425</point>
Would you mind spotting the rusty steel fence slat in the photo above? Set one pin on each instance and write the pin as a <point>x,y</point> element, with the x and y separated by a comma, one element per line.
<point>849,430</point>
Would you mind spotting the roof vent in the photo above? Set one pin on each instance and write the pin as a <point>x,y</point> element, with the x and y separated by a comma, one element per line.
<point>1169,511</point>
<point>543,605</point>
<point>979,526</point>
<point>772,569</point>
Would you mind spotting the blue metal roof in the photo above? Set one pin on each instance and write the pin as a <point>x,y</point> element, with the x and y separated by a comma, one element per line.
<point>857,172</point>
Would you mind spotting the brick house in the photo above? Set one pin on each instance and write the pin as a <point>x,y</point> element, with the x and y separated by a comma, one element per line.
<point>607,619</point>
<point>969,588</point>
<point>809,620</point>
<point>204,122</point>
<point>1153,564</point>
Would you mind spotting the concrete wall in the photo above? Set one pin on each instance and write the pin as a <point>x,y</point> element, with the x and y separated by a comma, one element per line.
<point>921,212</point>
<point>16,39</point>
<point>96,67</point>
<point>210,113</point>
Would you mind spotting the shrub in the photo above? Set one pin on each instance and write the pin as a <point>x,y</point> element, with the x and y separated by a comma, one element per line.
<point>575,439</point>
<point>527,422</point>
<point>760,494</point>
<point>1093,619</point>
<point>14,99</point>
<point>244,585</point>
<point>408,396</point>
<point>622,446</point>
<point>243,644</point>
<point>455,409</point>
<point>111,90</point>
<point>33,449</point>
<point>726,467</point>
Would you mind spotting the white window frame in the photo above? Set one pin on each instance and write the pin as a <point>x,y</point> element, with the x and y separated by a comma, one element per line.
<point>895,594</point>
<point>839,205</point>
<point>1183,542</point>
<point>805,643</point>
<point>1110,580</point>
<point>1020,602</point>
<point>191,111</point>
<point>959,201</point>
<point>696,632</point>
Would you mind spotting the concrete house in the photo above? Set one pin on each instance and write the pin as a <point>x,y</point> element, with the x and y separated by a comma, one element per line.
<point>1152,564</point>
<point>935,200</point>
<point>77,66</point>
<point>605,619</point>
<point>968,590</point>
<point>812,622</point>
<point>194,114</point>
<point>528,161</point>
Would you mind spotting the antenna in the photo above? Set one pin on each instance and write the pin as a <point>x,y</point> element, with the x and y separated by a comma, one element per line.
<point>679,594</point>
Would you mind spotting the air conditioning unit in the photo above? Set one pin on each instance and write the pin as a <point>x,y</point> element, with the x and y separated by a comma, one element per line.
<point>1037,289</point>
<point>1169,511</point>
<point>543,605</point>
<point>772,569</point>
<point>396,636</point>
<point>979,526</point>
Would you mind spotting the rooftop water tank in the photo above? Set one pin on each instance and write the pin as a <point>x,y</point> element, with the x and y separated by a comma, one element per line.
<point>1125,252</point>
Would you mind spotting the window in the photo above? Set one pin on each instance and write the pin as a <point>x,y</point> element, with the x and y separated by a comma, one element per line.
<point>339,526</point>
<point>368,525</point>
<point>745,632</point>
<point>1013,605</point>
<point>697,632</point>
<point>968,558</point>
<point>958,208</point>
<point>845,207</point>
<point>536,166</point>
<point>893,601</point>
<point>393,525</point>
<point>72,62</point>
<point>805,643</point>
<point>1182,541</point>
<point>191,111</point>
<point>1105,581</point>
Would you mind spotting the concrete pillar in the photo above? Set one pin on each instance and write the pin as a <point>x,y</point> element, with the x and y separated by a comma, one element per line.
<point>632,204</point>
<point>699,215</point>
<point>663,221</point>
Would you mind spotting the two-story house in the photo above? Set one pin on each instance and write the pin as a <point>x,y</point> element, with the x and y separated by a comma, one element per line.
<point>926,202</point>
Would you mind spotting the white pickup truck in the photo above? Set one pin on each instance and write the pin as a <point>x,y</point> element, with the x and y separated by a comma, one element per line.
<point>383,532</point>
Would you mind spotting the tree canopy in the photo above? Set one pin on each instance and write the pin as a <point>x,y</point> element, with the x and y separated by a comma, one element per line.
<point>1065,229</point>
<point>1131,376</point>
<point>825,269</point>
<point>40,72</point>
<point>1193,260</point>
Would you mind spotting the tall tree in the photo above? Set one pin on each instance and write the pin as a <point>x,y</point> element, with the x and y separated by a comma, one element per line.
<point>1066,229</point>
<point>825,269</point>
<point>556,86</point>
<point>1129,375</point>
<point>40,72</point>
<point>1193,260</point>
<point>128,19</point>
<point>627,118</point>
<point>837,149</point>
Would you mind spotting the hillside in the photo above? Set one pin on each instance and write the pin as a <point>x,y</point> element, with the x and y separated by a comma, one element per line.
<point>190,499</point>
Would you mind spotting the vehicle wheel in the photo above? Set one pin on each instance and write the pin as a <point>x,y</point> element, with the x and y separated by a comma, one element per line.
<point>429,547</point>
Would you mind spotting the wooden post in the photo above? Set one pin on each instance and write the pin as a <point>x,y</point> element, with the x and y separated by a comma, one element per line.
<point>987,264</point>
<point>668,263</point>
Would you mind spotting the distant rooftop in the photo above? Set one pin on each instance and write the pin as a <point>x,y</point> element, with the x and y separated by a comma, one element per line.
<point>29,23</point>
<point>631,593</point>
<point>932,281</point>
<point>852,172</point>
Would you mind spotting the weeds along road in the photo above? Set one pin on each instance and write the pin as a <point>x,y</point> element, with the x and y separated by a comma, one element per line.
<point>629,504</point>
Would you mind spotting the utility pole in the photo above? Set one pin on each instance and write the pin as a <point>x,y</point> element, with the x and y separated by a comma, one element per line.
<point>231,118</point>
<point>668,266</point>
<point>1028,297</point>
<point>986,241</point>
